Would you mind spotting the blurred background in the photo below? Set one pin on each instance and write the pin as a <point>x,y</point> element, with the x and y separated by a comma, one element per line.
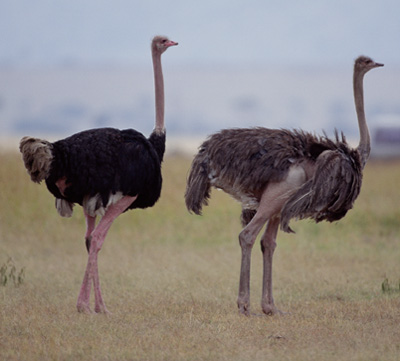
<point>66,66</point>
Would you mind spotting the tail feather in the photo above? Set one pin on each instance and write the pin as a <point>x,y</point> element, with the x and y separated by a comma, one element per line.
<point>198,186</point>
<point>330,193</point>
<point>37,156</point>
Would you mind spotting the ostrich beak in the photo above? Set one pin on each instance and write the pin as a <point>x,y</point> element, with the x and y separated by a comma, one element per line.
<point>378,64</point>
<point>170,43</point>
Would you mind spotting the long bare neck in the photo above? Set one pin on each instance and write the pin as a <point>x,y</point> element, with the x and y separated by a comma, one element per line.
<point>364,146</point>
<point>159,90</point>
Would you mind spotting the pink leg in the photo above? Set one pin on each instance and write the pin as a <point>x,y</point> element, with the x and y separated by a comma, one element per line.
<point>84,294</point>
<point>99,305</point>
<point>86,286</point>
<point>98,236</point>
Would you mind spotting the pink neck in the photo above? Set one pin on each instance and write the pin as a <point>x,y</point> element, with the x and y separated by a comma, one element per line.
<point>159,93</point>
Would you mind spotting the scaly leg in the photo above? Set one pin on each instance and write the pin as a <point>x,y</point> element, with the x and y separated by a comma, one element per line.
<point>246,239</point>
<point>83,304</point>
<point>84,294</point>
<point>97,239</point>
<point>268,245</point>
<point>271,202</point>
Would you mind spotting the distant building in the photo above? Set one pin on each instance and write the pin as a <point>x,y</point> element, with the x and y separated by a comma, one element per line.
<point>386,142</point>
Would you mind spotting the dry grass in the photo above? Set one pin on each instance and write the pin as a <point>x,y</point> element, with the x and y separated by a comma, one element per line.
<point>170,280</point>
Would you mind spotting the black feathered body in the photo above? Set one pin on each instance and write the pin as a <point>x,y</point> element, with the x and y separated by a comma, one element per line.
<point>243,162</point>
<point>99,163</point>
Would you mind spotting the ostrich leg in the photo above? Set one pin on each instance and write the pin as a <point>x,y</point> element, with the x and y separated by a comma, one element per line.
<point>97,239</point>
<point>271,202</point>
<point>84,295</point>
<point>268,245</point>
<point>246,239</point>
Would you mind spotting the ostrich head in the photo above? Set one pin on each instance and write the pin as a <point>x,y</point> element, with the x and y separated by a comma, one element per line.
<point>363,64</point>
<point>161,43</point>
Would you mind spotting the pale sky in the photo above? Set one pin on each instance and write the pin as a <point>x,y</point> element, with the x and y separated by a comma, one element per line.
<point>223,32</point>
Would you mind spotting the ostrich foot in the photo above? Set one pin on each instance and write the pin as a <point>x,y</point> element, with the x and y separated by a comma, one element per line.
<point>270,310</point>
<point>83,308</point>
<point>244,308</point>
<point>101,309</point>
<point>244,311</point>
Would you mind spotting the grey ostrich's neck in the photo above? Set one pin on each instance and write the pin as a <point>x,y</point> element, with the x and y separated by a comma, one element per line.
<point>159,93</point>
<point>364,146</point>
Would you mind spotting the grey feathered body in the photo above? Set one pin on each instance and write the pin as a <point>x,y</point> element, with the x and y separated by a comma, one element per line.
<point>243,162</point>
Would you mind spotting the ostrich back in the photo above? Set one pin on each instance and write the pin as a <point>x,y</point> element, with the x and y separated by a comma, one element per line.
<point>246,160</point>
<point>102,162</point>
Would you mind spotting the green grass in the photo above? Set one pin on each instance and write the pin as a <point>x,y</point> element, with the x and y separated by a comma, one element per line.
<point>170,279</point>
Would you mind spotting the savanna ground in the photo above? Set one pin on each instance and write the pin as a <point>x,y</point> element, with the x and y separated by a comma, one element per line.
<point>170,279</point>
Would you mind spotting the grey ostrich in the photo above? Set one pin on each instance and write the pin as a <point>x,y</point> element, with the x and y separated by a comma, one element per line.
<point>107,171</point>
<point>278,175</point>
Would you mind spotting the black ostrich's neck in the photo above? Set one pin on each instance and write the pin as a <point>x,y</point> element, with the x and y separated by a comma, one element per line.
<point>157,139</point>
<point>159,92</point>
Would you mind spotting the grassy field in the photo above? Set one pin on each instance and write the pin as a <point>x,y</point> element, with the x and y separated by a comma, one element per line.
<point>170,279</point>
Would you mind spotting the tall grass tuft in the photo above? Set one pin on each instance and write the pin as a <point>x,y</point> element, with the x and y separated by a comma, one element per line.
<point>388,288</point>
<point>10,274</point>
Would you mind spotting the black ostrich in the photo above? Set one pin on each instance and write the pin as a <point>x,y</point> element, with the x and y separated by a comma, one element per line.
<point>278,175</point>
<point>107,171</point>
